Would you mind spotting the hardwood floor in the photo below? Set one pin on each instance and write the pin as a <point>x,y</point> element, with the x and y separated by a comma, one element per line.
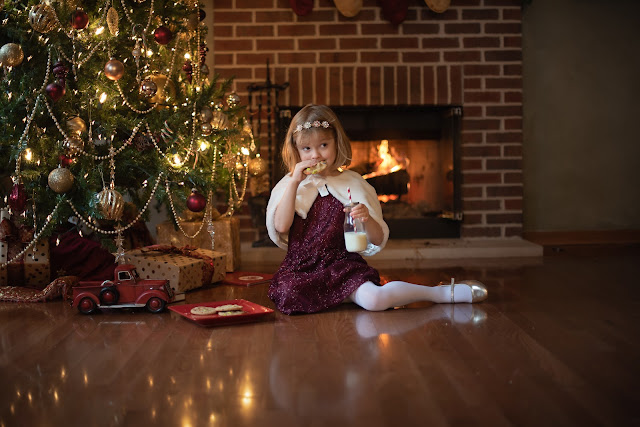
<point>557,343</point>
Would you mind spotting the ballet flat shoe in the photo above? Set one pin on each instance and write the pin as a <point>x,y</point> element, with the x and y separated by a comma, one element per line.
<point>478,290</point>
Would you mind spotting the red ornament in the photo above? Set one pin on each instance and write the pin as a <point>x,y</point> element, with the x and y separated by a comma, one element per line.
<point>196,202</point>
<point>55,91</point>
<point>79,19</point>
<point>18,198</point>
<point>188,70</point>
<point>163,35</point>
<point>65,161</point>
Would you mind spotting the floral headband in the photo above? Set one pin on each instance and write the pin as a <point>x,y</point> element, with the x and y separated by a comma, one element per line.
<point>315,124</point>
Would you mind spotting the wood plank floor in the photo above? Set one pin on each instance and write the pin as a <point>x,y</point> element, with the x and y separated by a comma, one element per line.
<point>557,343</point>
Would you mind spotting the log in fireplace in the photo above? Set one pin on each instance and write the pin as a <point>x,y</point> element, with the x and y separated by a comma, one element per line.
<point>410,155</point>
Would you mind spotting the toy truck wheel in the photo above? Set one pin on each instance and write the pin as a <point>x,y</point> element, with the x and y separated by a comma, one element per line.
<point>86,306</point>
<point>109,296</point>
<point>155,305</point>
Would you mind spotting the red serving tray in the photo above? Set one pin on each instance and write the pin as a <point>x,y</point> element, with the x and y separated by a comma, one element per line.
<point>252,313</point>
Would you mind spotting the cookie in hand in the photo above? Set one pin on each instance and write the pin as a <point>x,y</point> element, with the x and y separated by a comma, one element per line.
<point>319,167</point>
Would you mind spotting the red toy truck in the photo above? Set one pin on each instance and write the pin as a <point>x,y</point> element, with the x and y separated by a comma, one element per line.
<point>125,290</point>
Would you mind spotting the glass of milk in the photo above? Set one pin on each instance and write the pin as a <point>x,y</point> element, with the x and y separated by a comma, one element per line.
<point>355,237</point>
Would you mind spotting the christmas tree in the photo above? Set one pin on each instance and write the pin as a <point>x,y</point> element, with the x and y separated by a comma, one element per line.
<point>112,101</point>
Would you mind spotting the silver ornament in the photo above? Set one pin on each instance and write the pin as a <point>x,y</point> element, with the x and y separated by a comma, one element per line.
<point>204,70</point>
<point>11,55</point>
<point>148,88</point>
<point>206,129</point>
<point>42,18</point>
<point>136,52</point>
<point>166,89</point>
<point>114,69</point>
<point>110,204</point>
<point>233,99</point>
<point>60,180</point>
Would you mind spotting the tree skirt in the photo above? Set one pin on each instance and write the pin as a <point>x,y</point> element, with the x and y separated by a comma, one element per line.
<point>61,287</point>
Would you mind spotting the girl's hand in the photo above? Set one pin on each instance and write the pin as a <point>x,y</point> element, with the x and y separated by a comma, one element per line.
<point>361,212</point>
<point>298,173</point>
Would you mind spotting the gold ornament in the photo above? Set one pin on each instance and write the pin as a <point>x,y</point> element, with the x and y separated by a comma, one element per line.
<point>114,69</point>
<point>220,121</point>
<point>112,20</point>
<point>438,6</point>
<point>42,18</point>
<point>73,146</point>
<point>110,204</point>
<point>11,55</point>
<point>229,161</point>
<point>166,89</point>
<point>257,166</point>
<point>76,125</point>
<point>60,180</point>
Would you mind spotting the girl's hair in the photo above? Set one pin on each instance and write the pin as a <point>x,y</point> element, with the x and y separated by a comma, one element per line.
<point>310,119</point>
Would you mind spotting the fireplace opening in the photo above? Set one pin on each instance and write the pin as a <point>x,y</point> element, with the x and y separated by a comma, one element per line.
<point>410,155</point>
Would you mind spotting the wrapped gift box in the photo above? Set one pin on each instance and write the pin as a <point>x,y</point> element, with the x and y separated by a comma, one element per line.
<point>33,269</point>
<point>183,272</point>
<point>227,237</point>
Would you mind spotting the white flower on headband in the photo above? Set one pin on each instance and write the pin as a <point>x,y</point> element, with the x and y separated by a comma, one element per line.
<point>316,124</point>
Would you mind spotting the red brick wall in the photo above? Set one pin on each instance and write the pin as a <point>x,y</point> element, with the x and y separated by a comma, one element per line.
<point>470,55</point>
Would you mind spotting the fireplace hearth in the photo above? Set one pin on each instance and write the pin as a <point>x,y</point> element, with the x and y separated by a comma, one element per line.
<point>410,155</point>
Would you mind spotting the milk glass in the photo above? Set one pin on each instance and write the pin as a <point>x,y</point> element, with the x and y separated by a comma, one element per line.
<point>355,237</point>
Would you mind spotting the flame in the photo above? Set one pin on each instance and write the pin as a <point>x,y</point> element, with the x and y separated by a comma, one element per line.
<point>384,198</point>
<point>389,161</point>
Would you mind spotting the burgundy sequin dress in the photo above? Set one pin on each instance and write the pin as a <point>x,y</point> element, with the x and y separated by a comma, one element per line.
<point>318,272</point>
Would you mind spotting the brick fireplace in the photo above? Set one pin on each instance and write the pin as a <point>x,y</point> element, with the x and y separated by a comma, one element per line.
<point>469,56</point>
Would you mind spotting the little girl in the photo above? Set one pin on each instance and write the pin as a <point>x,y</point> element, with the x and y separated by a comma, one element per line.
<point>305,215</point>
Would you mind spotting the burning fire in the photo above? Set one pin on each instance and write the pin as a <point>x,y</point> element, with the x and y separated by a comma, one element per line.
<point>389,161</point>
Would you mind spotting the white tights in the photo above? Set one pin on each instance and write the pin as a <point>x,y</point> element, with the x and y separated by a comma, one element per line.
<point>397,293</point>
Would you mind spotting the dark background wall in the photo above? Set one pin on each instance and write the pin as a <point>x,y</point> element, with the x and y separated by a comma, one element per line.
<point>581,115</point>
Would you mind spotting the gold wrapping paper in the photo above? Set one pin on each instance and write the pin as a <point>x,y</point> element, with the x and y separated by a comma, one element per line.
<point>184,273</point>
<point>227,238</point>
<point>35,271</point>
